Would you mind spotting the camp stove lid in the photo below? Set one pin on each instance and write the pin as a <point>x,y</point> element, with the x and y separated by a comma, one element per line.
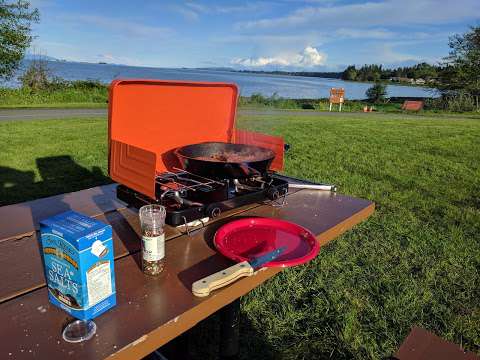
<point>148,119</point>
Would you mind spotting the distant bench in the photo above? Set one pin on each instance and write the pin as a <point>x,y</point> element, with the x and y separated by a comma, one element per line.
<point>421,344</point>
<point>412,105</point>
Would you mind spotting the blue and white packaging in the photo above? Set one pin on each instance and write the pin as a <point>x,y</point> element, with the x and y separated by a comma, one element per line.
<point>79,264</point>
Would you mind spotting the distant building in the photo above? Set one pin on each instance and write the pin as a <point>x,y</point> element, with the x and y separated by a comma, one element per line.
<point>402,79</point>
<point>420,81</point>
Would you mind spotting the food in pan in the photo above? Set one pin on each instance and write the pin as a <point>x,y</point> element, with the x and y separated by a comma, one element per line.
<point>230,156</point>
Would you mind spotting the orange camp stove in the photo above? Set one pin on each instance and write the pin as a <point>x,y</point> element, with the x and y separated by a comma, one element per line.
<point>149,120</point>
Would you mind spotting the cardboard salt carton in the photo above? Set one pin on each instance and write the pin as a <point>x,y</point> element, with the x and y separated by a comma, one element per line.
<point>78,260</point>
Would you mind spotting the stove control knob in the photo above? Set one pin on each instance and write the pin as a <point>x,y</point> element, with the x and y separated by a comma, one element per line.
<point>213,211</point>
<point>273,194</point>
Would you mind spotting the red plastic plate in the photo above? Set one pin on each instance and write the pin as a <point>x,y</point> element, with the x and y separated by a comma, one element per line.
<point>247,238</point>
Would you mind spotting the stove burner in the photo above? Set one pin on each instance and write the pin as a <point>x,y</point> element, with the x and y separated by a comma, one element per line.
<point>188,197</point>
<point>183,187</point>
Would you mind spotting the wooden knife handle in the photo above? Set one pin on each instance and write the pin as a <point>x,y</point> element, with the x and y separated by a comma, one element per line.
<point>203,286</point>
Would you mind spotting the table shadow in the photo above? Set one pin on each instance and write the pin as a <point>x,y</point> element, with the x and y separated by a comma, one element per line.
<point>60,175</point>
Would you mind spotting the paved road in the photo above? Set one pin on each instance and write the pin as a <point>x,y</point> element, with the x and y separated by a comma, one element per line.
<point>42,114</point>
<point>35,114</point>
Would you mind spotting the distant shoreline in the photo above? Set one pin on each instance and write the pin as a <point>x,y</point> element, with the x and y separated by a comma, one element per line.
<point>293,85</point>
<point>310,74</point>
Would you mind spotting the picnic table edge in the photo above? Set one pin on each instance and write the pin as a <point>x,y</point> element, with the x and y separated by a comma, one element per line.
<point>148,343</point>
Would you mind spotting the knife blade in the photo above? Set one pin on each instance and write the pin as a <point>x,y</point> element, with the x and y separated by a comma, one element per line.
<point>227,276</point>
<point>257,262</point>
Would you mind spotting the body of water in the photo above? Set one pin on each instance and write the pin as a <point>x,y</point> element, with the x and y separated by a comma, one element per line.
<point>285,86</point>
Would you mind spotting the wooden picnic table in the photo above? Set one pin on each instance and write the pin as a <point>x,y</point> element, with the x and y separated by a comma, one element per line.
<point>150,312</point>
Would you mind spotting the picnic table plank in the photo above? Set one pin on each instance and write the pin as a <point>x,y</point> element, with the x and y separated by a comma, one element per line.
<point>91,202</point>
<point>20,277</point>
<point>152,311</point>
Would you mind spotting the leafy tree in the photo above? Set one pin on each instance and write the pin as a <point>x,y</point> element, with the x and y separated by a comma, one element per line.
<point>350,73</point>
<point>376,93</point>
<point>424,71</point>
<point>374,72</point>
<point>371,72</point>
<point>15,25</point>
<point>461,74</point>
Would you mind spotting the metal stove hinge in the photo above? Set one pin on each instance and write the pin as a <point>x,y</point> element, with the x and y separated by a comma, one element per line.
<point>276,203</point>
<point>187,227</point>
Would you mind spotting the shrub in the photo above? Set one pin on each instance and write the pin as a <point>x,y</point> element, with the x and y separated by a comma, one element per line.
<point>36,77</point>
<point>376,93</point>
<point>308,106</point>
<point>258,98</point>
<point>456,102</point>
<point>271,101</point>
<point>88,84</point>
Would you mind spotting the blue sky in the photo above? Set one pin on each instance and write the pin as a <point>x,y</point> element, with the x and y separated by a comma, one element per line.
<point>288,35</point>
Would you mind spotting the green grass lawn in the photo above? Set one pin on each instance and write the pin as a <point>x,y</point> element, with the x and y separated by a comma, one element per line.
<point>416,261</point>
<point>78,95</point>
<point>47,157</point>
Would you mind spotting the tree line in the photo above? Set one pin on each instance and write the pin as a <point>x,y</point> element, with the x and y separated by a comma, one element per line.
<point>322,74</point>
<point>373,72</point>
<point>457,76</point>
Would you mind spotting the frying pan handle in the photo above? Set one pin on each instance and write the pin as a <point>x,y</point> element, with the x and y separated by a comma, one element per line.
<point>222,278</point>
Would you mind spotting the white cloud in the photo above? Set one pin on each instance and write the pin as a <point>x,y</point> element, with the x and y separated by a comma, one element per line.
<point>310,57</point>
<point>350,33</point>
<point>368,14</point>
<point>273,43</point>
<point>197,7</point>
<point>260,61</point>
<point>187,13</point>
<point>253,7</point>
<point>192,10</point>
<point>386,54</point>
<point>121,26</point>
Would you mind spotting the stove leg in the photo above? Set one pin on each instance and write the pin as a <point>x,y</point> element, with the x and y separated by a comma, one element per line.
<point>229,330</point>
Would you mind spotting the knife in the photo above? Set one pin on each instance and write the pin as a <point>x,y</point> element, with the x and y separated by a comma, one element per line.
<point>227,276</point>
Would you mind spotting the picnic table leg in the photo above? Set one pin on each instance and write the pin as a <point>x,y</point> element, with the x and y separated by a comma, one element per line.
<point>229,330</point>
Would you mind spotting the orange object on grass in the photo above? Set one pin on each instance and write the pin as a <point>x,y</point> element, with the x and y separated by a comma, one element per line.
<point>412,105</point>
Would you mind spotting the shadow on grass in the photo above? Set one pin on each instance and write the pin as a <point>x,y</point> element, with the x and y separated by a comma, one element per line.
<point>59,174</point>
